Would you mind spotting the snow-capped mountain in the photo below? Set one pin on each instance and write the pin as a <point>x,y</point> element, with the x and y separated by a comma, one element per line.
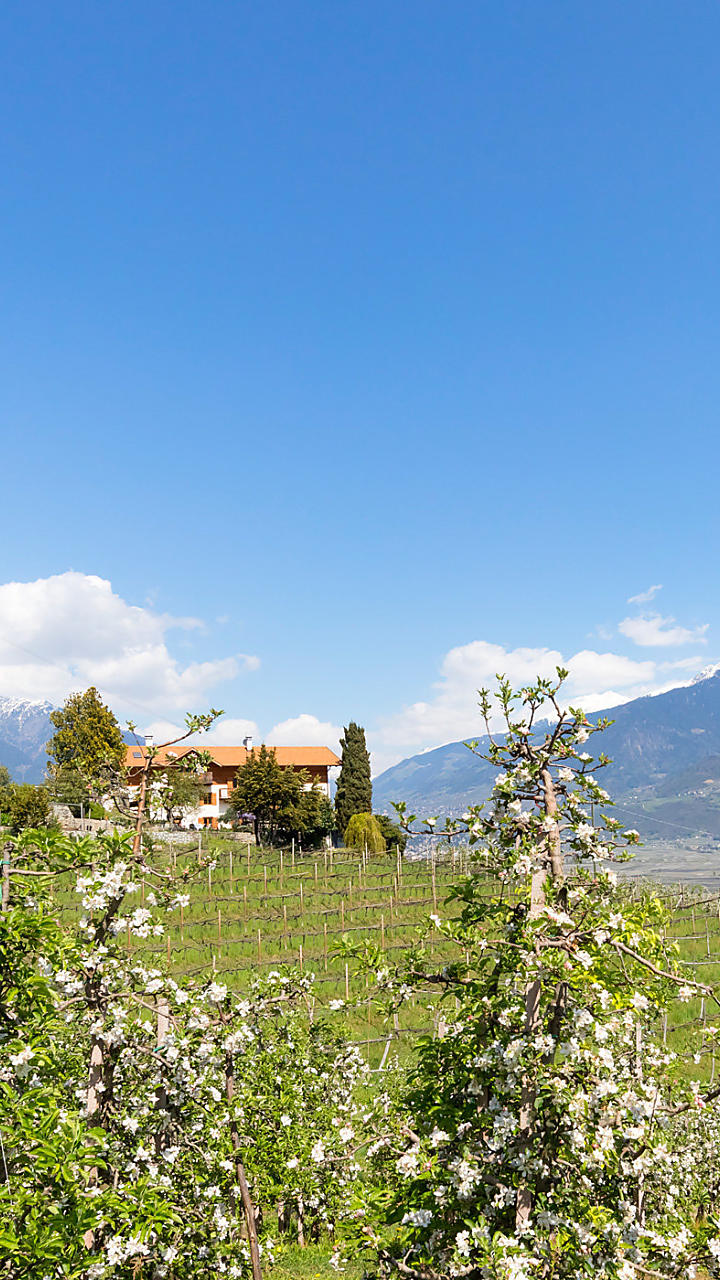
<point>25,727</point>
<point>707,673</point>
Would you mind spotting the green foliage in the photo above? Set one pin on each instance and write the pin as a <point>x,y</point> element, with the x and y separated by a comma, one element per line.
<point>363,831</point>
<point>87,737</point>
<point>354,788</point>
<point>25,805</point>
<point>177,792</point>
<point>67,785</point>
<point>309,820</point>
<point>5,785</point>
<point>268,791</point>
<point>392,832</point>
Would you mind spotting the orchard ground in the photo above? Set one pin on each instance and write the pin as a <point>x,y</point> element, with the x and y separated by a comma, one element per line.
<point>311,1263</point>
<point>254,910</point>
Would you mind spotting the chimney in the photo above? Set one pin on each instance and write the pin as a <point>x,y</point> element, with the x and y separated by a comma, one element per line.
<point>149,740</point>
<point>247,742</point>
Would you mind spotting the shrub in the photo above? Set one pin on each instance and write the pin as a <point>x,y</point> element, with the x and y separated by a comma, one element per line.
<point>363,831</point>
<point>26,806</point>
<point>392,833</point>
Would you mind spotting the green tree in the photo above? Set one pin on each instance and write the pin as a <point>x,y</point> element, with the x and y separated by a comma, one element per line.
<point>310,819</point>
<point>87,738</point>
<point>27,806</point>
<point>269,792</point>
<point>67,785</point>
<point>393,834</point>
<point>179,791</point>
<point>5,785</point>
<point>354,788</point>
<point>363,832</point>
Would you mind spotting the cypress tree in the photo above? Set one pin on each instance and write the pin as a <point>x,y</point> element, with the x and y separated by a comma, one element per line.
<point>354,788</point>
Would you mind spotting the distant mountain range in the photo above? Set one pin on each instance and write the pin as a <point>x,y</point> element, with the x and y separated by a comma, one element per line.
<point>24,729</point>
<point>665,773</point>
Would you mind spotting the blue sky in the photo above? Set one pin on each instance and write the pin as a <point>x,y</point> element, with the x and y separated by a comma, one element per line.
<point>363,338</point>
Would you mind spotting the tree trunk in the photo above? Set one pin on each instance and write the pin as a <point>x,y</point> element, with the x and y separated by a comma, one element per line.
<point>556,858</point>
<point>142,801</point>
<point>524,1202</point>
<point>553,865</point>
<point>240,1175</point>
<point>161,1103</point>
<point>9,846</point>
<point>92,1105</point>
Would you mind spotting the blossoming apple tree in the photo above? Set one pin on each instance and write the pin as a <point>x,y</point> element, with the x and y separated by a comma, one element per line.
<point>147,1127</point>
<point>547,1131</point>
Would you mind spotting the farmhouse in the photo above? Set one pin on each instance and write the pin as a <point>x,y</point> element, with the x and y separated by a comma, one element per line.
<point>219,779</point>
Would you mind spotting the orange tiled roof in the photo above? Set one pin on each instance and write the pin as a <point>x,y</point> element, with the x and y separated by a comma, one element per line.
<point>300,757</point>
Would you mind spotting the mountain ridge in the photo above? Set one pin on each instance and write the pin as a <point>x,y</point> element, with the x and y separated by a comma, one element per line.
<point>665,750</point>
<point>25,728</point>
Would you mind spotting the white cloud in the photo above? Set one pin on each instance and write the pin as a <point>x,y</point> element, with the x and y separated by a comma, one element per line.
<point>596,680</point>
<point>653,631</point>
<point>229,731</point>
<point>305,731</point>
<point>300,731</point>
<point>226,732</point>
<point>645,597</point>
<point>63,633</point>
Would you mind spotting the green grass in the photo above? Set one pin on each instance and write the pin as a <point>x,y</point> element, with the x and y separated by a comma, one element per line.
<point>310,1263</point>
<point>260,909</point>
